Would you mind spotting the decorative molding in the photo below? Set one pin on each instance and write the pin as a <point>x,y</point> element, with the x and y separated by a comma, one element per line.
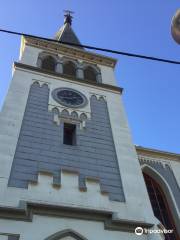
<point>66,233</point>
<point>98,96</point>
<point>94,66</point>
<point>76,116</point>
<point>70,51</point>
<point>44,54</point>
<point>157,154</point>
<point>40,83</point>
<point>58,75</point>
<point>65,60</point>
<point>26,210</point>
<point>143,158</point>
<point>61,114</point>
<point>70,110</point>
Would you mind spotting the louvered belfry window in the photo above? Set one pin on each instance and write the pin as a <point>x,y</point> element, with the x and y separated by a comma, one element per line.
<point>90,74</point>
<point>69,68</point>
<point>48,63</point>
<point>160,206</point>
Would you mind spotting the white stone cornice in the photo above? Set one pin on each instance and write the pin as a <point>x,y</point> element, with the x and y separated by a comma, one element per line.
<point>69,51</point>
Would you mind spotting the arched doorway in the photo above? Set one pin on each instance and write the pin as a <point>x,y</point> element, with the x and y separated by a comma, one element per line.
<point>160,206</point>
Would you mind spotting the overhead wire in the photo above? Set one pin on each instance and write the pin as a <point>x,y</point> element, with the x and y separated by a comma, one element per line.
<point>94,48</point>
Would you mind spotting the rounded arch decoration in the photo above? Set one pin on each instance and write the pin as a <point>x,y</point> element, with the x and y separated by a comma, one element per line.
<point>162,202</point>
<point>70,67</point>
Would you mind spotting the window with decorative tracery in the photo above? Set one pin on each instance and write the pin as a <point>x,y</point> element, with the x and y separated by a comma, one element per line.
<point>160,206</point>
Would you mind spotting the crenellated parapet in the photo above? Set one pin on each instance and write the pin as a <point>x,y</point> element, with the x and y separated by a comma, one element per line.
<point>68,191</point>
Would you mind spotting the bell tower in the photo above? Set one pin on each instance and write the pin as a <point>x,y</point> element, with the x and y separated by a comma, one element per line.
<point>69,169</point>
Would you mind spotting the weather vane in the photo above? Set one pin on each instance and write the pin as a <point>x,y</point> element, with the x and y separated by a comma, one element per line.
<point>68,16</point>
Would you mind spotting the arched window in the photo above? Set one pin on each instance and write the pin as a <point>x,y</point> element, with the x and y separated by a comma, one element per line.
<point>160,206</point>
<point>90,74</point>
<point>48,63</point>
<point>69,68</point>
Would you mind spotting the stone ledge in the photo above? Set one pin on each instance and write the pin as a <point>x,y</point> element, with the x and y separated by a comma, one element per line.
<point>39,70</point>
<point>26,210</point>
<point>9,236</point>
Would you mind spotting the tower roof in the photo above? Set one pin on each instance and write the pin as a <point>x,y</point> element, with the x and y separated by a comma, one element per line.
<point>66,33</point>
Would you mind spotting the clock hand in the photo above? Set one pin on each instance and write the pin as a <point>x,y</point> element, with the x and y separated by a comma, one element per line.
<point>66,97</point>
<point>69,97</point>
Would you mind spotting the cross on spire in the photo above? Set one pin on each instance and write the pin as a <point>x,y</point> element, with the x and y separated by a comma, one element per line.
<point>66,33</point>
<point>68,16</point>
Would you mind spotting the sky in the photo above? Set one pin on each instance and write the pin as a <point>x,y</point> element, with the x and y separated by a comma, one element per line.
<point>151,89</point>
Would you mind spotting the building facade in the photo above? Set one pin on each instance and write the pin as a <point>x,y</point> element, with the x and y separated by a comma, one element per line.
<point>69,169</point>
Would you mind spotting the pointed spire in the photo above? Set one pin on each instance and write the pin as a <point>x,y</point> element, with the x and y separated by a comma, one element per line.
<point>66,33</point>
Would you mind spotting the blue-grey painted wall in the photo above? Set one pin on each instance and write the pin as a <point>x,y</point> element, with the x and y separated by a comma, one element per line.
<point>40,147</point>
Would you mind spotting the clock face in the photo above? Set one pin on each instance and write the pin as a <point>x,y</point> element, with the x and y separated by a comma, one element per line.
<point>69,97</point>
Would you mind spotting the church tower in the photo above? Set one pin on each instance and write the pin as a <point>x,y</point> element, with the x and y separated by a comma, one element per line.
<point>69,169</point>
